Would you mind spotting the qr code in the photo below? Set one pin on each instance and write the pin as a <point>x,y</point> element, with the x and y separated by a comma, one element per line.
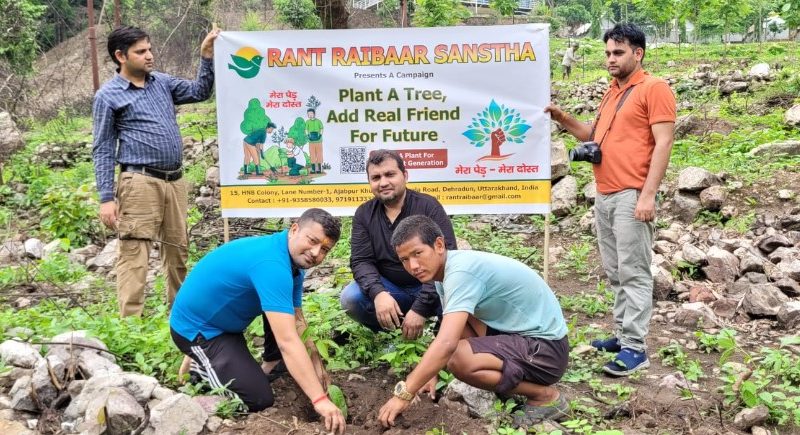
<point>354,160</point>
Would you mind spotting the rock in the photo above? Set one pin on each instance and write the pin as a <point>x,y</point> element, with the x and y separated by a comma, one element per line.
<point>786,147</point>
<point>75,387</point>
<point>725,308</point>
<point>559,161</point>
<point>9,377</point>
<point>788,286</point>
<point>785,194</point>
<point>758,430</point>
<point>11,252</point>
<point>792,116</point>
<point>663,283</point>
<point>773,242</point>
<point>789,269</point>
<point>78,339</point>
<point>206,202</point>
<point>564,196</point>
<point>212,176</point>
<point>750,417</point>
<point>590,191</point>
<point>749,262</point>
<point>713,198</point>
<point>208,403</point>
<point>10,140</point>
<point>21,395</point>
<point>138,385</point>
<point>41,380</point>
<point>722,265</point>
<point>668,234</point>
<point>480,402</point>
<point>93,364</point>
<point>695,314</point>
<point>675,380</point>
<point>763,300</point>
<point>686,206</point>
<point>161,393</point>
<point>11,427</point>
<point>694,179</point>
<point>693,254</point>
<point>213,423</point>
<point>54,247</point>
<point>19,354</point>
<point>728,88</point>
<point>123,413</point>
<point>106,258</point>
<point>462,245</point>
<point>665,248</point>
<point>700,293</point>
<point>22,302</point>
<point>587,222</point>
<point>789,315</point>
<point>34,248</point>
<point>177,414</point>
<point>356,377</point>
<point>759,71</point>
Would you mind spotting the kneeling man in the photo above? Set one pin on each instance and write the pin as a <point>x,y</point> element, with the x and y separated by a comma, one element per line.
<point>237,282</point>
<point>502,330</point>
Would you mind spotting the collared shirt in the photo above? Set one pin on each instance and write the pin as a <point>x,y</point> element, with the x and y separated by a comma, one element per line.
<point>137,126</point>
<point>372,254</point>
<point>627,143</point>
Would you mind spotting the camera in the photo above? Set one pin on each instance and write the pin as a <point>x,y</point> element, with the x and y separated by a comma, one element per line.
<point>586,152</point>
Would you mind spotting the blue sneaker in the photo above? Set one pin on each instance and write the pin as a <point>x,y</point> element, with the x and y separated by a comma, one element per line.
<point>608,345</point>
<point>626,362</point>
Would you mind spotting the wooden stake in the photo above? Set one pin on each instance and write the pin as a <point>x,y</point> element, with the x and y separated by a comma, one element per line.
<point>226,233</point>
<point>546,259</point>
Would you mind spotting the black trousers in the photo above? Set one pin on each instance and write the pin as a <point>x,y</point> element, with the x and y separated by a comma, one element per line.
<point>226,360</point>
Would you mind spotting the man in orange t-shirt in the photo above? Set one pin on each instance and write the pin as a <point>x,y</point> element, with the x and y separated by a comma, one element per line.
<point>635,140</point>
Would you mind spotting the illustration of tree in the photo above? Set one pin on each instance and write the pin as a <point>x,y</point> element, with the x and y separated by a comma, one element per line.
<point>313,103</point>
<point>298,132</point>
<point>496,124</point>
<point>255,117</point>
<point>275,156</point>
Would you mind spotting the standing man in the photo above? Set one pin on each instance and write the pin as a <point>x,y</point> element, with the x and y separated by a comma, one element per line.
<point>314,134</point>
<point>502,331</point>
<point>241,280</point>
<point>384,295</point>
<point>569,60</point>
<point>135,126</point>
<point>635,152</point>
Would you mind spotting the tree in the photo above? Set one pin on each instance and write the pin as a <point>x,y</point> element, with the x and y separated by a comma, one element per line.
<point>573,14</point>
<point>434,13</point>
<point>19,24</point>
<point>505,8</point>
<point>300,14</point>
<point>254,118</point>
<point>790,12</point>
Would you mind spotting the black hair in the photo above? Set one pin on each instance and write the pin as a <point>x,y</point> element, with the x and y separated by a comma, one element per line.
<point>627,32</point>
<point>122,38</point>
<point>311,110</point>
<point>271,125</point>
<point>378,156</point>
<point>332,226</point>
<point>416,226</point>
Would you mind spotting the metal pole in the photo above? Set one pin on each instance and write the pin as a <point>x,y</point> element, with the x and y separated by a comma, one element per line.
<point>117,18</point>
<point>93,46</point>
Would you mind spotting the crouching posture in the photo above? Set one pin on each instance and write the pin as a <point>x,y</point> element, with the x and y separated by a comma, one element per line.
<point>239,281</point>
<point>502,328</point>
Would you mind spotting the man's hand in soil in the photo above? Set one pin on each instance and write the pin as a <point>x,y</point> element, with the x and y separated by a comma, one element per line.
<point>412,325</point>
<point>430,387</point>
<point>334,420</point>
<point>108,214</point>
<point>387,311</point>
<point>391,409</point>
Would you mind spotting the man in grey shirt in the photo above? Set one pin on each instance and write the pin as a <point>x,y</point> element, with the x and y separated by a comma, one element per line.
<point>135,126</point>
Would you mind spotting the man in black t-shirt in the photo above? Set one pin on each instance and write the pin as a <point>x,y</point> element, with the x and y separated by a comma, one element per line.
<point>384,296</point>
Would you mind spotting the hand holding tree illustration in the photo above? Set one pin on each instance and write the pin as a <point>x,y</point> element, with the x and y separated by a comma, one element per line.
<point>498,138</point>
<point>497,125</point>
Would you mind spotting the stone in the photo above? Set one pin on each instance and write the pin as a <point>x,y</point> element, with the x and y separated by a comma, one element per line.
<point>785,194</point>
<point>138,385</point>
<point>208,403</point>
<point>663,283</point>
<point>725,307</point>
<point>92,364</point>
<point>773,242</point>
<point>77,339</point>
<point>75,387</point>
<point>213,423</point>
<point>41,380</point>
<point>19,354</point>
<point>759,71</point>
<point>664,247</point>
<point>480,402</point>
<point>10,140</point>
<point>785,147</point>
<point>21,395</point>
<point>792,116</point>
<point>788,286</point>
<point>54,247</point>
<point>590,191</point>
<point>693,254</point>
<point>695,314</point>
<point>763,300</point>
<point>730,87</point>
<point>758,430</point>
<point>789,269</point>
<point>9,377</point>
<point>713,198</point>
<point>672,381</point>
<point>34,248</point>
<point>587,222</point>
<point>564,196</point>
<point>106,258</point>
<point>212,176</point>
<point>722,267</point>
<point>686,206</point>
<point>701,293</point>
<point>11,252</point>
<point>694,179</point>
<point>11,427</point>
<point>750,417</point>
<point>789,315</point>
<point>559,161</point>
<point>161,393</point>
<point>749,262</point>
<point>123,413</point>
<point>177,414</point>
<point>22,302</point>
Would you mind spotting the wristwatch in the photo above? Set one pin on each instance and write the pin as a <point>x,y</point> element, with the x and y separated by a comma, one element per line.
<point>401,392</point>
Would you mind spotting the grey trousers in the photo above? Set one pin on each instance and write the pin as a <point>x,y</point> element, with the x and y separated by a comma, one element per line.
<point>626,251</point>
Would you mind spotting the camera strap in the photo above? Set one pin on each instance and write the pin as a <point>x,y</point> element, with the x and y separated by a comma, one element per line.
<point>600,110</point>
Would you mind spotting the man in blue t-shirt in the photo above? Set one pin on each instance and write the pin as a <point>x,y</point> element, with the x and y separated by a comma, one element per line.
<point>502,326</point>
<point>241,280</point>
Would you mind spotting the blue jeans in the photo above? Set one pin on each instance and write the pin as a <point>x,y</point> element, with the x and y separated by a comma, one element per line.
<point>362,309</point>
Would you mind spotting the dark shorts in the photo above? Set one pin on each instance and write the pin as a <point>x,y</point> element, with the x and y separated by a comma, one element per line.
<point>256,137</point>
<point>536,360</point>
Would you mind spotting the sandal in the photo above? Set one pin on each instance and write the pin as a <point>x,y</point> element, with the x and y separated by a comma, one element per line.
<point>556,410</point>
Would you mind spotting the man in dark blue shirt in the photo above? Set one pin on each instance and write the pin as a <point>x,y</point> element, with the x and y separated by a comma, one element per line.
<point>241,280</point>
<point>135,126</point>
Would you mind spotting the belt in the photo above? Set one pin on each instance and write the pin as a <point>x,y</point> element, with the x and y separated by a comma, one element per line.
<point>153,172</point>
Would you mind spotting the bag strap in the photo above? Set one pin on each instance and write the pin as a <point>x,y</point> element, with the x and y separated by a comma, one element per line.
<point>600,110</point>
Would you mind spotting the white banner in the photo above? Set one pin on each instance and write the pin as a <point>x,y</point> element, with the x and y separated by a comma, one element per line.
<point>299,112</point>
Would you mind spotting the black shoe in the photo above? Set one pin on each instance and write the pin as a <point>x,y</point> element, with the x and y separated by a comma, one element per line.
<point>277,371</point>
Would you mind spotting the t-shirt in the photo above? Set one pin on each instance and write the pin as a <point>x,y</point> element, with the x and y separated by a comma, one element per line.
<point>234,284</point>
<point>314,129</point>
<point>628,147</point>
<point>501,292</point>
